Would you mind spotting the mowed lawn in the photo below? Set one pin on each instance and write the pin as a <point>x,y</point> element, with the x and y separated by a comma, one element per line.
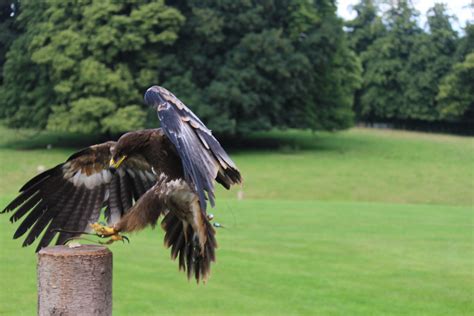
<point>362,222</point>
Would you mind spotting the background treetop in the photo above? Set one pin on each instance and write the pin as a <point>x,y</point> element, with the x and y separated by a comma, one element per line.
<point>242,66</point>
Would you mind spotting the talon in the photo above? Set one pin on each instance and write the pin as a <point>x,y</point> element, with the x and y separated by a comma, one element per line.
<point>114,238</point>
<point>103,231</point>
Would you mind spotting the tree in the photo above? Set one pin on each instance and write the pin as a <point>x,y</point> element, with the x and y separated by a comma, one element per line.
<point>362,32</point>
<point>25,91</point>
<point>82,67</point>
<point>466,43</point>
<point>262,64</point>
<point>336,70</point>
<point>386,75</point>
<point>366,27</point>
<point>431,59</point>
<point>242,65</point>
<point>456,91</point>
<point>8,31</point>
<point>403,65</point>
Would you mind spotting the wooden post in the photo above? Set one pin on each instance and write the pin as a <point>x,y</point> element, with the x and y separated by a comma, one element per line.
<point>75,281</point>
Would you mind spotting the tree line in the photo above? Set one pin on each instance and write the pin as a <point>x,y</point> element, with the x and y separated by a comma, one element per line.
<point>241,65</point>
<point>412,73</point>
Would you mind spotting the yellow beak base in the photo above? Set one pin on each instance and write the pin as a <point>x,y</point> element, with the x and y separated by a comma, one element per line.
<point>115,164</point>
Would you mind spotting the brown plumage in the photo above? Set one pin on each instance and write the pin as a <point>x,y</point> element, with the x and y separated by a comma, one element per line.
<point>145,174</point>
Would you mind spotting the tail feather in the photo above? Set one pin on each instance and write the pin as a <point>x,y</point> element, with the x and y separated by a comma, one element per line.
<point>186,246</point>
<point>173,228</point>
<point>176,249</point>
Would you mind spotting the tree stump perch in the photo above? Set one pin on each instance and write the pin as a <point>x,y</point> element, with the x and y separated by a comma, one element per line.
<point>75,281</point>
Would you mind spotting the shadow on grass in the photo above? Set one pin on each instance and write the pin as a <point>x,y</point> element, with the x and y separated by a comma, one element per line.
<point>291,141</point>
<point>25,139</point>
<point>283,141</point>
<point>272,141</point>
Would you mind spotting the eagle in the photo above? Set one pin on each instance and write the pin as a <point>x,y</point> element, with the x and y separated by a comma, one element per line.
<point>167,172</point>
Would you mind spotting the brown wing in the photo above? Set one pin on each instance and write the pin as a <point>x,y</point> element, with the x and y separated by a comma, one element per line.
<point>188,232</point>
<point>203,158</point>
<point>72,194</point>
<point>191,258</point>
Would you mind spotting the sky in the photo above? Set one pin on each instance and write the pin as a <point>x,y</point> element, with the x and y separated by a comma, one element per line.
<point>456,7</point>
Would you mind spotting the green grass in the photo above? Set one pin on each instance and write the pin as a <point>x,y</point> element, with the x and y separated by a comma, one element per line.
<point>364,165</point>
<point>359,165</point>
<point>292,258</point>
<point>361,222</point>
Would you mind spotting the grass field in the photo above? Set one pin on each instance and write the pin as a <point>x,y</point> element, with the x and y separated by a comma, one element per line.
<point>362,222</point>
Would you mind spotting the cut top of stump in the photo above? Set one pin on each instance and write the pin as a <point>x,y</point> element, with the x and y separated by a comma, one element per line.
<point>82,250</point>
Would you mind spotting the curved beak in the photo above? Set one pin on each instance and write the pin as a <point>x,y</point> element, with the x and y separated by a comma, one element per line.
<point>113,165</point>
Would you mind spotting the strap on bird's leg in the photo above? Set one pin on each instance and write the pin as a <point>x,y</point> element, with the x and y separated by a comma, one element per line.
<point>83,238</point>
<point>59,230</point>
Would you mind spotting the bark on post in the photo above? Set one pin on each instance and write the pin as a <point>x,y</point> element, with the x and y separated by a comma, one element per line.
<point>75,281</point>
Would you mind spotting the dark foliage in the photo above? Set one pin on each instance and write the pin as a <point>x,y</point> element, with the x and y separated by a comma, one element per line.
<point>240,65</point>
<point>411,74</point>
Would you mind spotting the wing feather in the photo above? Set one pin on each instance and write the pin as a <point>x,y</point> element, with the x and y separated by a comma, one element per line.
<point>59,218</point>
<point>126,191</point>
<point>74,217</point>
<point>24,208</point>
<point>139,187</point>
<point>203,158</point>
<point>113,211</point>
<point>71,195</point>
<point>48,216</point>
<point>30,219</point>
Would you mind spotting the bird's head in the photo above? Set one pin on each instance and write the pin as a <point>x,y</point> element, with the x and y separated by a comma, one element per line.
<point>154,96</point>
<point>128,144</point>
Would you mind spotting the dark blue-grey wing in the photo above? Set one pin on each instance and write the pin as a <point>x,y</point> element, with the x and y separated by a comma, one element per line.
<point>203,158</point>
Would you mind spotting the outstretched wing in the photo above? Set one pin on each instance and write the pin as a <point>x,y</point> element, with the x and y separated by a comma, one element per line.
<point>71,195</point>
<point>203,158</point>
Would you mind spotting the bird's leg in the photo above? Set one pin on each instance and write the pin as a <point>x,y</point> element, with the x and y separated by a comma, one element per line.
<point>114,238</point>
<point>105,231</point>
<point>210,217</point>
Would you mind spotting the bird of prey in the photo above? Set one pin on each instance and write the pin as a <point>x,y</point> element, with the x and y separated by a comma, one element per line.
<point>168,171</point>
